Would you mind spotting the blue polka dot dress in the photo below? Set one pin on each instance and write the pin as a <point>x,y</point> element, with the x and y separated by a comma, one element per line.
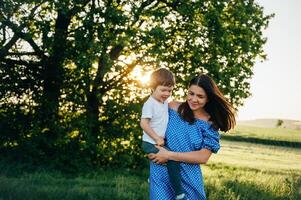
<point>183,137</point>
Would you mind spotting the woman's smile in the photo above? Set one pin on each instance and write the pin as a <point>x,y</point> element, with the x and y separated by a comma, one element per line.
<point>197,97</point>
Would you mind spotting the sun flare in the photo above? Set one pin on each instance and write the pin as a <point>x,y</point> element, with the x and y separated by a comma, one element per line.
<point>140,75</point>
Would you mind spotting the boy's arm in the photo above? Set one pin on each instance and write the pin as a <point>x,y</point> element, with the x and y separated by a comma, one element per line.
<point>194,157</point>
<point>144,123</point>
<point>174,105</point>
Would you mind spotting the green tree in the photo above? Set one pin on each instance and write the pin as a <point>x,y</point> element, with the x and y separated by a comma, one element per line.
<point>67,64</point>
<point>279,123</point>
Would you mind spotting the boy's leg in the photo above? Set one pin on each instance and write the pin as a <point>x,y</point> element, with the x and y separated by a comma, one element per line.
<point>173,169</point>
<point>149,148</point>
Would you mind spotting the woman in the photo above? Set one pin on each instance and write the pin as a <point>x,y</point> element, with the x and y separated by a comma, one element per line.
<point>192,136</point>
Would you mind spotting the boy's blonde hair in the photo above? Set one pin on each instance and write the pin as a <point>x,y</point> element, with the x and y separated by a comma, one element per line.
<point>162,77</point>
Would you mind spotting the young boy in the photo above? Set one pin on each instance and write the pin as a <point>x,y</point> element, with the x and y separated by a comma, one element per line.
<point>154,121</point>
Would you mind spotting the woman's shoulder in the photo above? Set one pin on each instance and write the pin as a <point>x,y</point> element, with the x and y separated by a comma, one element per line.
<point>174,105</point>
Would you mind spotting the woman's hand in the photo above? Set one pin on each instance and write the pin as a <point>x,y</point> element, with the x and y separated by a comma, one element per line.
<point>161,157</point>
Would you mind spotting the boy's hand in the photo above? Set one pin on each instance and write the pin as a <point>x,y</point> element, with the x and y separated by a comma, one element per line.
<point>160,141</point>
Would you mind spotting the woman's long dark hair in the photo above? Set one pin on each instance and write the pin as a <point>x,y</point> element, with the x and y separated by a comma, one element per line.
<point>221,112</point>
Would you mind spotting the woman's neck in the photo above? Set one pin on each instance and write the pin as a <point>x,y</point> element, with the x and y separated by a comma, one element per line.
<point>201,114</point>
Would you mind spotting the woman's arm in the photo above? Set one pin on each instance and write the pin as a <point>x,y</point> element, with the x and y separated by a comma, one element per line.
<point>195,157</point>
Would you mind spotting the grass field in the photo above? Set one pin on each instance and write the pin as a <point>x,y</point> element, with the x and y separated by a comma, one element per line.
<point>274,134</point>
<point>241,170</point>
<point>262,135</point>
<point>102,185</point>
<point>244,170</point>
<point>240,183</point>
<point>258,156</point>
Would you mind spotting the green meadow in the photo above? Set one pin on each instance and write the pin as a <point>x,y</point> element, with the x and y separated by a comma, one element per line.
<point>243,170</point>
<point>281,137</point>
<point>255,166</point>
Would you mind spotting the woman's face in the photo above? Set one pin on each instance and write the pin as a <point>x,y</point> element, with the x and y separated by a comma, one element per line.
<point>196,98</point>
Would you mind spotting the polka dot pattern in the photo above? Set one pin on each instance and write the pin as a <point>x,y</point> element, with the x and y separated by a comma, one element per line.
<point>183,137</point>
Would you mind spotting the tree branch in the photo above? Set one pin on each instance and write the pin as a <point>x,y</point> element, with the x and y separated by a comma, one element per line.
<point>4,50</point>
<point>115,52</point>
<point>173,4</point>
<point>27,37</point>
<point>20,62</point>
<point>115,81</point>
<point>76,9</point>
<point>21,53</point>
<point>141,8</point>
<point>19,34</point>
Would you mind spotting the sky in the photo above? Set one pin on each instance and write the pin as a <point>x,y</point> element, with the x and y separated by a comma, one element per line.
<point>276,83</point>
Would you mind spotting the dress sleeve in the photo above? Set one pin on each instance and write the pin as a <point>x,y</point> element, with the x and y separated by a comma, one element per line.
<point>211,139</point>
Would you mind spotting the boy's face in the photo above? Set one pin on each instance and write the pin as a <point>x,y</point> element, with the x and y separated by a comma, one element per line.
<point>161,93</point>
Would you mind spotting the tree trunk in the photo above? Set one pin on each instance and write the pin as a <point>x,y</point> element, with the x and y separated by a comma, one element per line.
<point>53,75</point>
<point>92,117</point>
